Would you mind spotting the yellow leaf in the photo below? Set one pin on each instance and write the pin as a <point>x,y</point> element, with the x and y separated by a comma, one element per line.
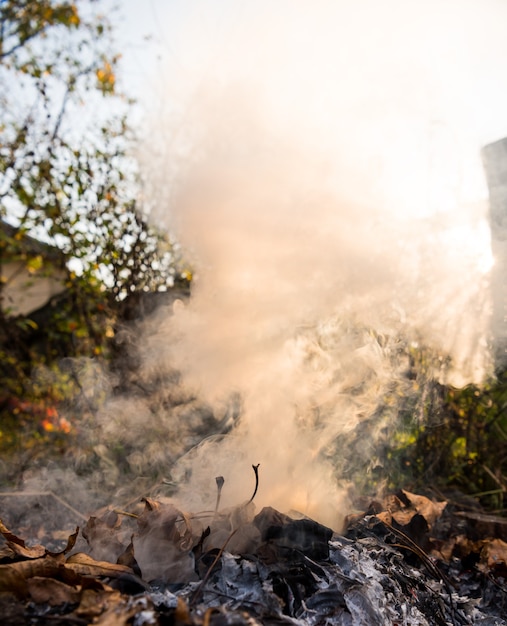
<point>74,20</point>
<point>34,264</point>
<point>106,77</point>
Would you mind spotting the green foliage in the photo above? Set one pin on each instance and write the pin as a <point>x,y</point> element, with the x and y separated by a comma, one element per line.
<point>427,435</point>
<point>68,189</point>
<point>461,443</point>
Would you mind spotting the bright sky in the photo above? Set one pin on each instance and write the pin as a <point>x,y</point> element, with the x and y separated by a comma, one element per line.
<point>425,80</point>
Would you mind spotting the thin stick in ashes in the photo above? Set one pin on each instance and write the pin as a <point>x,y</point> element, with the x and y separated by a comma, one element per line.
<point>256,471</point>
<point>220,483</point>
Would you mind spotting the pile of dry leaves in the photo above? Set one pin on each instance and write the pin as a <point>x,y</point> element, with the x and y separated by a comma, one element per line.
<point>406,560</point>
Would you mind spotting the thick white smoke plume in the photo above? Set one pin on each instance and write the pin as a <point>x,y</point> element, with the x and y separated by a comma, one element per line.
<point>320,164</point>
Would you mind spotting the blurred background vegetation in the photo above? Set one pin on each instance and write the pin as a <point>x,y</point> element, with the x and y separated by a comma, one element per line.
<point>460,444</point>
<point>76,249</point>
<point>71,215</point>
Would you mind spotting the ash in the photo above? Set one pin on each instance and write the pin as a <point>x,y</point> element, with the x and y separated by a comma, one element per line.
<point>360,580</point>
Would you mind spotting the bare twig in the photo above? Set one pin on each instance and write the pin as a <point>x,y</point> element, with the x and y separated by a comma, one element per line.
<point>199,589</point>
<point>494,477</point>
<point>220,483</point>
<point>256,471</point>
<point>125,513</point>
<point>411,545</point>
<point>430,566</point>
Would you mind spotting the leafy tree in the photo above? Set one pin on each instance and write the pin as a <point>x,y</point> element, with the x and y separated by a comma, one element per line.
<point>67,179</point>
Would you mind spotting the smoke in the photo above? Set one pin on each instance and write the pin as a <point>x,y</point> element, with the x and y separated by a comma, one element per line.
<point>320,165</point>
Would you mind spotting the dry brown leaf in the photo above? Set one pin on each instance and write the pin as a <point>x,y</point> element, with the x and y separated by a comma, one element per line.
<point>429,509</point>
<point>6,553</point>
<point>12,580</point>
<point>385,517</point>
<point>494,553</point>
<point>119,615</point>
<point>162,545</point>
<point>71,542</point>
<point>13,576</point>
<point>405,505</point>
<point>462,546</point>
<point>87,566</point>
<point>403,517</point>
<point>392,503</point>
<point>181,613</point>
<point>116,616</point>
<point>444,550</point>
<point>108,608</point>
<point>151,505</point>
<point>19,547</point>
<point>94,603</point>
<point>128,558</point>
<point>102,538</point>
<point>51,591</point>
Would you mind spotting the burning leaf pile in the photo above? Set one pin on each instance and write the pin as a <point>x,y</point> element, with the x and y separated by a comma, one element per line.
<point>407,560</point>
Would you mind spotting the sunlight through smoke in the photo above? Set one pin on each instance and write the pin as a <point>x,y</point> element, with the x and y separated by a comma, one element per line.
<point>321,167</point>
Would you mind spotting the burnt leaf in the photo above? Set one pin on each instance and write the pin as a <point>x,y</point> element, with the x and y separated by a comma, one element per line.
<point>288,535</point>
<point>269,517</point>
<point>417,530</point>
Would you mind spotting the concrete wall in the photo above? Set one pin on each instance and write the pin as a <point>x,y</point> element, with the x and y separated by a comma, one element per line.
<point>24,292</point>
